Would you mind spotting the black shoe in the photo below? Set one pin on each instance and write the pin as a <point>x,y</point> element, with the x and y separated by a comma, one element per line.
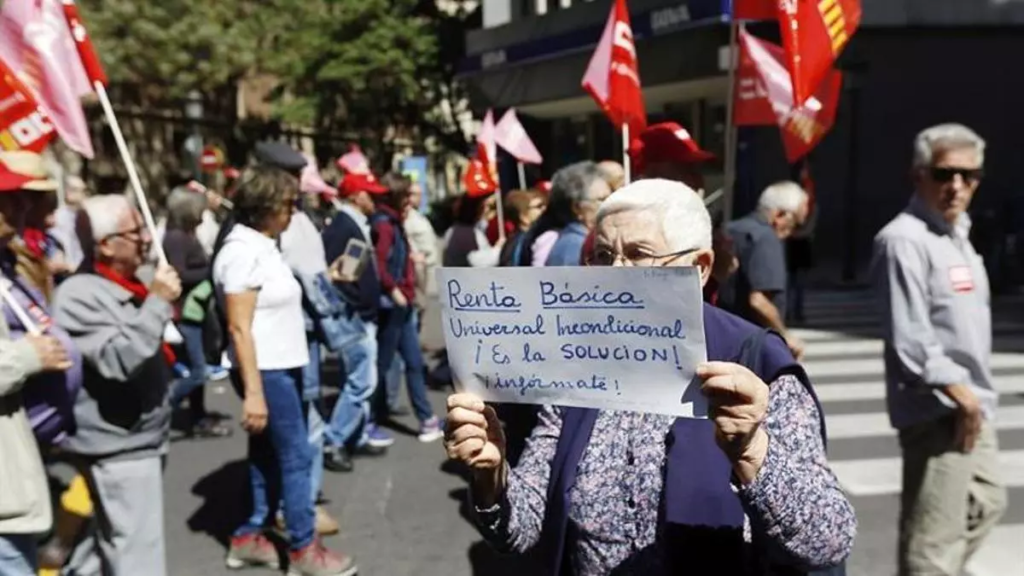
<point>368,450</point>
<point>337,460</point>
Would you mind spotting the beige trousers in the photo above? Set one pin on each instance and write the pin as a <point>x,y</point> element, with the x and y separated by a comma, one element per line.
<point>950,500</point>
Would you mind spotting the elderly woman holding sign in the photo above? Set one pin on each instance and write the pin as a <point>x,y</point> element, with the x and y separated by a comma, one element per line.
<point>748,491</point>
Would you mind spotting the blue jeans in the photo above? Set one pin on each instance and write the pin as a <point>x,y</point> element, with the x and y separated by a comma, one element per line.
<point>18,554</point>
<point>195,359</point>
<point>399,335</point>
<point>353,408</point>
<point>311,371</point>
<point>316,433</point>
<point>280,459</point>
<point>394,388</point>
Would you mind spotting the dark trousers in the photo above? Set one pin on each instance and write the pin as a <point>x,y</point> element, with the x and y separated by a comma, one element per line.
<point>398,335</point>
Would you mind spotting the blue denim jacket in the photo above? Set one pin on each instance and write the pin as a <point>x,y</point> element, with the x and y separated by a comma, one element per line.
<point>328,316</point>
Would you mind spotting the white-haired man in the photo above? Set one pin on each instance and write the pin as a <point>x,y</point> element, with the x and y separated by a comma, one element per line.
<point>651,494</point>
<point>122,411</point>
<point>938,344</point>
<point>757,291</point>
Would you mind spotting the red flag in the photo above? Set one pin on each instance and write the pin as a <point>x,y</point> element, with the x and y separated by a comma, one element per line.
<point>487,148</point>
<point>752,105</point>
<point>612,77</point>
<point>477,179</point>
<point>769,96</point>
<point>754,9</point>
<point>37,45</point>
<point>86,51</point>
<point>23,126</point>
<point>814,32</point>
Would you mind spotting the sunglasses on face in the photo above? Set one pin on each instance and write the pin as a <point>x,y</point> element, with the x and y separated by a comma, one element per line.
<point>946,175</point>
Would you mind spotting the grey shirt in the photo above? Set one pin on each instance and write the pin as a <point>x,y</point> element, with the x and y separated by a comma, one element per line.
<point>122,410</point>
<point>762,259</point>
<point>937,322</point>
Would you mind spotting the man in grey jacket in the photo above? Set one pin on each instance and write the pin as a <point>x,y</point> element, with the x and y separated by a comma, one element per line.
<point>122,412</point>
<point>938,344</point>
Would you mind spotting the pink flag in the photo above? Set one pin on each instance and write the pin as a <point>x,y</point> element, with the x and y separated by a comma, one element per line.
<point>354,162</point>
<point>310,181</point>
<point>486,139</point>
<point>510,135</point>
<point>613,77</point>
<point>37,44</point>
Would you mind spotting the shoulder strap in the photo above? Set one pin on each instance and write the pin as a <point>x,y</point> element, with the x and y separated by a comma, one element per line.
<point>577,425</point>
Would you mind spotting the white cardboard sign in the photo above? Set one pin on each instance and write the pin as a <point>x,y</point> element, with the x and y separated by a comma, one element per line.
<point>610,338</point>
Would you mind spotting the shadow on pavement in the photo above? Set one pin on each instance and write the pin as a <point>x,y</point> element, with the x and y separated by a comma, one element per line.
<point>485,560</point>
<point>225,505</point>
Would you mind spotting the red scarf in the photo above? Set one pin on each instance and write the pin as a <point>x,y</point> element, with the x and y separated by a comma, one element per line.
<point>139,293</point>
<point>35,241</point>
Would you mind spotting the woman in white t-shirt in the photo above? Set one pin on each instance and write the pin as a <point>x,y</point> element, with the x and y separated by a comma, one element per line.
<point>262,301</point>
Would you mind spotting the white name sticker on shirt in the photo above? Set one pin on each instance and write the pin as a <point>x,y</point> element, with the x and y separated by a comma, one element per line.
<point>960,277</point>
<point>610,338</point>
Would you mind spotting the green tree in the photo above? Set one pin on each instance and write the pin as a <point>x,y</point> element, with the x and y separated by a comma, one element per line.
<point>373,70</point>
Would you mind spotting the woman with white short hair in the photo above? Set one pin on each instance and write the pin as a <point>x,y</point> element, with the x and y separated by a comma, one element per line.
<point>747,491</point>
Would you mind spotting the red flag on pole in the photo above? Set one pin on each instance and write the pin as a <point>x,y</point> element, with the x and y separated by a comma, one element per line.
<point>769,94</point>
<point>485,141</point>
<point>814,32</point>
<point>23,126</point>
<point>510,135</point>
<point>612,77</point>
<point>86,51</point>
<point>37,45</point>
<point>754,9</point>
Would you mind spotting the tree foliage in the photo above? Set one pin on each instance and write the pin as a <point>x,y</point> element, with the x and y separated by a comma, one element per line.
<point>371,68</point>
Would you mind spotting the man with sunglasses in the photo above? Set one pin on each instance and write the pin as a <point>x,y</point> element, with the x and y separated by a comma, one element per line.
<point>938,344</point>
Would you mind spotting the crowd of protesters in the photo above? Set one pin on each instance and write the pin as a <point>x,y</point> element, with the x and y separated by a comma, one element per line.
<point>280,270</point>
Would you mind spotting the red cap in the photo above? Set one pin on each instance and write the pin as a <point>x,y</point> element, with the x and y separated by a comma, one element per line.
<point>666,142</point>
<point>12,181</point>
<point>355,183</point>
<point>477,180</point>
<point>231,172</point>
<point>543,186</point>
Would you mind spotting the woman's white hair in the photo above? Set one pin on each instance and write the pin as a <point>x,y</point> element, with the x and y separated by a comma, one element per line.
<point>785,196</point>
<point>105,213</point>
<point>685,221</point>
<point>943,138</point>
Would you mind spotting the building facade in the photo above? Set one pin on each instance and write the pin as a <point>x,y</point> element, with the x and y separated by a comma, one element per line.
<point>913,63</point>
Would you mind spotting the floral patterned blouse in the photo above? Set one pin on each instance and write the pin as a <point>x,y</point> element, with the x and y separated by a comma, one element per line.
<point>795,500</point>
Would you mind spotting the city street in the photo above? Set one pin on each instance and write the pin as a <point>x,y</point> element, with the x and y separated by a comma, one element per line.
<point>403,514</point>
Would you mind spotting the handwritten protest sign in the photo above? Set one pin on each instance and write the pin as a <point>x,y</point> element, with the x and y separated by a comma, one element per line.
<point>611,338</point>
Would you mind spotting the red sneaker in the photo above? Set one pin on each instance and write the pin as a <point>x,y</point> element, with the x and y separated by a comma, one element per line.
<point>316,560</point>
<point>252,550</point>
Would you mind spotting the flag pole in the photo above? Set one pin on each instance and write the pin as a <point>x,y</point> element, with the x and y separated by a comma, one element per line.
<point>731,135</point>
<point>522,176</point>
<point>129,164</point>
<point>625,153</point>
<point>26,321</point>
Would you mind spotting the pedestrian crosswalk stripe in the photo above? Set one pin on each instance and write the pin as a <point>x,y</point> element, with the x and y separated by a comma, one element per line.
<point>877,423</point>
<point>828,368</point>
<point>1002,552</point>
<point>865,346</point>
<point>1005,385</point>
<point>882,476</point>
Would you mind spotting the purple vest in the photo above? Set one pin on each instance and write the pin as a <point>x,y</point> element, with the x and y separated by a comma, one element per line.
<point>702,516</point>
<point>49,397</point>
